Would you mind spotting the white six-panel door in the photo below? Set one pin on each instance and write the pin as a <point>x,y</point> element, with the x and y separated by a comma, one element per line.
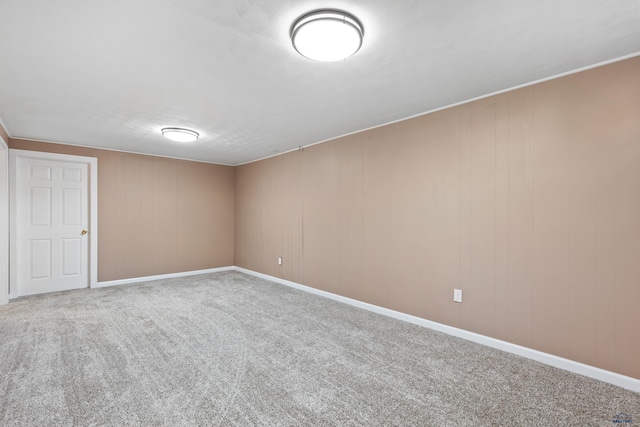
<point>52,223</point>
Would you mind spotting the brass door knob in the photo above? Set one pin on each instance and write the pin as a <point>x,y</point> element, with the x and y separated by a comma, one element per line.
<point>84,232</point>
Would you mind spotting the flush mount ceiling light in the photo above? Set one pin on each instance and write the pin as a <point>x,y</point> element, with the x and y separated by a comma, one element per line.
<point>327,35</point>
<point>180,134</point>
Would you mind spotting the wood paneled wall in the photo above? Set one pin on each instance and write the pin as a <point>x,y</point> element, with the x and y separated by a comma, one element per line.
<point>157,215</point>
<point>529,201</point>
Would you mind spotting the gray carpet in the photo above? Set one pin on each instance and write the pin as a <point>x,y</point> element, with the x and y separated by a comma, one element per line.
<point>231,349</point>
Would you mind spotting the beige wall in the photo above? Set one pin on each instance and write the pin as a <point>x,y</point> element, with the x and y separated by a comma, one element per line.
<point>157,215</point>
<point>529,201</point>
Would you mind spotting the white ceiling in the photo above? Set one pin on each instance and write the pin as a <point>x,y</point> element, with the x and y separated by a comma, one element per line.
<point>111,73</point>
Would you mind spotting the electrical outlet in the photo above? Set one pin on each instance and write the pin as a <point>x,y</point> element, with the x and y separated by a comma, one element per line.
<point>279,260</point>
<point>457,295</point>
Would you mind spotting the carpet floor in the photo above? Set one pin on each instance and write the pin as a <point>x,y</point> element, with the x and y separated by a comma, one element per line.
<point>231,349</point>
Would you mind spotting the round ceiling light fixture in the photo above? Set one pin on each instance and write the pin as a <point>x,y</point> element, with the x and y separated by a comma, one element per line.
<point>327,35</point>
<point>180,134</point>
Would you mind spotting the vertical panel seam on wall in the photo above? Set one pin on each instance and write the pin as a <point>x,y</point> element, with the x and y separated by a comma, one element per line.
<point>302,193</point>
<point>573,170</point>
<point>469,148</point>
<point>461,248</point>
<point>359,288</point>
<point>616,285</point>
<point>597,261</point>
<point>299,213</point>
<point>532,142</point>
<point>495,214</point>
<point>267,240</point>
<point>508,284</point>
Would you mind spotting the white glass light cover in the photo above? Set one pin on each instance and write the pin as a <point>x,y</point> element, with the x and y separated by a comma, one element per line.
<point>327,35</point>
<point>180,134</point>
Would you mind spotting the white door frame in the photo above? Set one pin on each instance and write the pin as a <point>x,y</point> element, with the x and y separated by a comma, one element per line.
<point>4,221</point>
<point>92,165</point>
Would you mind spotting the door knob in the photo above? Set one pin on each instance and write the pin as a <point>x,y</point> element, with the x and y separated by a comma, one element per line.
<point>84,232</point>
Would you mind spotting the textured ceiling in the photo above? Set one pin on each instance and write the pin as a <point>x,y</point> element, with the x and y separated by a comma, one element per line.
<point>111,73</point>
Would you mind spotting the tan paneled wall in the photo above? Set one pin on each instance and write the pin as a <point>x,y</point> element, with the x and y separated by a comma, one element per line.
<point>529,201</point>
<point>157,215</point>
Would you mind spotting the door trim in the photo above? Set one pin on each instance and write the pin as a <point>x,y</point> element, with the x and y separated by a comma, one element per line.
<point>4,221</point>
<point>92,173</point>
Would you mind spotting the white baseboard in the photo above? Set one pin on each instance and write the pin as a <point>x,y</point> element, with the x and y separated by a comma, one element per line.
<point>619,380</point>
<point>161,276</point>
